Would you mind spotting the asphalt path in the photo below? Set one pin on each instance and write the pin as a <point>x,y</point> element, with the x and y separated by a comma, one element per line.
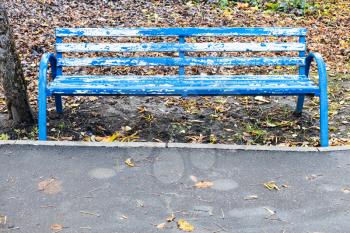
<point>137,189</point>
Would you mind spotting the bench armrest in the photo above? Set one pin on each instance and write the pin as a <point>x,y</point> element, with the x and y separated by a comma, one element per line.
<point>46,59</point>
<point>321,66</point>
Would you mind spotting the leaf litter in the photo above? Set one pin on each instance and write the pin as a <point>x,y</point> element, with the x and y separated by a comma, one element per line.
<point>85,116</point>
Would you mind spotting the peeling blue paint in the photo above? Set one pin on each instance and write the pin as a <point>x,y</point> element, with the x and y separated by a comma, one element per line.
<point>186,61</point>
<point>77,32</point>
<point>177,47</point>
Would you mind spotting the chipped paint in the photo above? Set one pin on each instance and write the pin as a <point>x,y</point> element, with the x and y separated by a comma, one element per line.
<point>177,47</point>
<point>187,61</point>
<point>93,32</point>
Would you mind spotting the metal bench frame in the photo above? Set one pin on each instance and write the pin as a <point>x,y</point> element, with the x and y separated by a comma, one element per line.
<point>182,85</point>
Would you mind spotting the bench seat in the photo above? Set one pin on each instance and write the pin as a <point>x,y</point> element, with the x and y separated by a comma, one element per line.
<point>186,85</point>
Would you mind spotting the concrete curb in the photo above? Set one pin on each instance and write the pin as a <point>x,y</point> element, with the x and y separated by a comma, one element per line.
<point>173,145</point>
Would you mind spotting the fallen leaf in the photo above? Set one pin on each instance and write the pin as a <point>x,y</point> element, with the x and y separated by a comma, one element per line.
<point>242,5</point>
<point>3,219</point>
<point>184,225</point>
<point>140,203</point>
<point>161,225</point>
<point>113,137</point>
<point>100,139</point>
<point>130,162</point>
<point>269,210</point>
<point>126,128</point>
<point>346,190</point>
<point>262,99</point>
<point>251,197</point>
<point>170,218</point>
<point>271,125</point>
<point>50,186</point>
<point>271,185</point>
<point>203,184</point>
<point>56,227</point>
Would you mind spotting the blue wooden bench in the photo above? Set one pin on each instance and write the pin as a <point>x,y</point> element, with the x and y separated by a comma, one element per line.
<point>65,84</point>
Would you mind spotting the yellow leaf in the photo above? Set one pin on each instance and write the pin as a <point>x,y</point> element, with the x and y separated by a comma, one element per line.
<point>228,13</point>
<point>114,136</point>
<point>271,185</point>
<point>184,225</point>
<point>203,184</point>
<point>130,162</point>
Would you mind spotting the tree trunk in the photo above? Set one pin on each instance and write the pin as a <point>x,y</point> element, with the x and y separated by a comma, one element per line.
<point>11,75</point>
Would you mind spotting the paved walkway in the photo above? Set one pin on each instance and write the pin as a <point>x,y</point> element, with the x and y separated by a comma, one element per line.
<point>92,189</point>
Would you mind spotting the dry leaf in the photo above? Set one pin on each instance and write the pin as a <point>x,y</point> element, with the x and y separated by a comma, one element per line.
<point>161,225</point>
<point>251,197</point>
<point>56,227</point>
<point>184,225</point>
<point>124,217</point>
<point>262,99</point>
<point>346,190</point>
<point>170,218</point>
<point>140,203</point>
<point>50,186</point>
<point>271,185</point>
<point>130,162</point>
<point>3,219</point>
<point>126,128</point>
<point>270,211</point>
<point>100,139</point>
<point>203,184</point>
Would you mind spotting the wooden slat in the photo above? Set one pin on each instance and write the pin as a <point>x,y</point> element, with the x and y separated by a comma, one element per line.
<point>183,85</point>
<point>117,32</point>
<point>188,61</point>
<point>184,90</point>
<point>169,83</point>
<point>176,47</point>
<point>162,78</point>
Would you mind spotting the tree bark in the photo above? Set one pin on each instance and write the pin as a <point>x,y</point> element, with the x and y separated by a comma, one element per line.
<point>11,75</point>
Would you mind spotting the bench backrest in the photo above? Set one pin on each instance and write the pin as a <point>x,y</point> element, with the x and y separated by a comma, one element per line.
<point>181,47</point>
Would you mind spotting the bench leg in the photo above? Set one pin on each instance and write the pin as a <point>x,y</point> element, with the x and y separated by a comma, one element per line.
<point>58,101</point>
<point>42,116</point>
<point>300,105</point>
<point>324,118</point>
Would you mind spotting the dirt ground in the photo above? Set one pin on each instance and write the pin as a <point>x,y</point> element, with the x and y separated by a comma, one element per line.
<point>236,120</point>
